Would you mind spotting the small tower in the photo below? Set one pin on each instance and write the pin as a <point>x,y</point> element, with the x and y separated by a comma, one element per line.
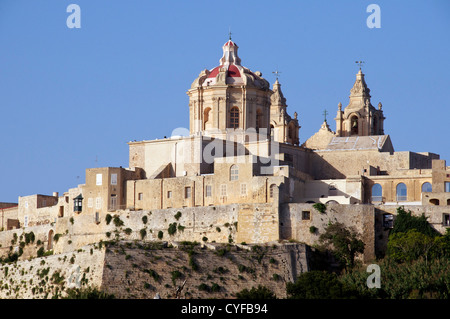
<point>284,129</point>
<point>359,117</point>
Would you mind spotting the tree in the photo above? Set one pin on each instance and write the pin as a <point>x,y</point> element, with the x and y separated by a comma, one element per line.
<point>261,292</point>
<point>409,246</point>
<point>317,284</point>
<point>343,243</point>
<point>405,221</point>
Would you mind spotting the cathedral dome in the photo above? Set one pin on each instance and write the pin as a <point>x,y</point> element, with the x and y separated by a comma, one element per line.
<point>230,72</point>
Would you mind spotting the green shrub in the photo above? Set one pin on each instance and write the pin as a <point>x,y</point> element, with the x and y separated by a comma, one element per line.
<point>117,221</point>
<point>172,229</point>
<point>175,275</point>
<point>144,219</point>
<point>40,252</point>
<point>177,215</point>
<point>143,233</point>
<point>312,229</point>
<point>192,263</point>
<point>56,237</point>
<point>108,219</point>
<point>261,292</point>
<point>87,293</point>
<point>204,287</point>
<point>128,231</point>
<point>160,234</point>
<point>320,207</point>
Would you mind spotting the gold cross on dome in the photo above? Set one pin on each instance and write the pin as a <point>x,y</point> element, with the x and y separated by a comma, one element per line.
<point>229,33</point>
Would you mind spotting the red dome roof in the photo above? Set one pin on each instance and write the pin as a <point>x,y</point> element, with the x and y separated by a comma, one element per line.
<point>230,43</point>
<point>233,71</point>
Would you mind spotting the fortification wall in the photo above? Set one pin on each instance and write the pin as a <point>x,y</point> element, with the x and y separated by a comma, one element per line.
<point>297,220</point>
<point>46,277</point>
<point>220,271</point>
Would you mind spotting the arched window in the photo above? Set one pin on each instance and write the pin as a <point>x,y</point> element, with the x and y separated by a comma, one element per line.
<point>426,187</point>
<point>434,201</point>
<point>291,132</point>
<point>354,125</point>
<point>271,130</point>
<point>206,113</point>
<point>50,240</point>
<point>377,193</point>
<point>272,190</point>
<point>234,117</point>
<point>375,125</point>
<point>234,173</point>
<point>401,192</point>
<point>258,119</point>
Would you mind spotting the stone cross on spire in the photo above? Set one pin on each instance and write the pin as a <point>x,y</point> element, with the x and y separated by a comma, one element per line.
<point>325,113</point>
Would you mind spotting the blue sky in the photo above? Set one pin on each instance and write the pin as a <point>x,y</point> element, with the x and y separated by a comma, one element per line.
<point>71,99</point>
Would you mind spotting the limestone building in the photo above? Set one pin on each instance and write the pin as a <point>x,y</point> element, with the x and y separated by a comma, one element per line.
<point>243,153</point>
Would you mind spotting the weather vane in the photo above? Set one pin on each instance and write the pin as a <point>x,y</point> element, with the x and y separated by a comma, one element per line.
<point>277,73</point>
<point>360,63</point>
<point>325,113</point>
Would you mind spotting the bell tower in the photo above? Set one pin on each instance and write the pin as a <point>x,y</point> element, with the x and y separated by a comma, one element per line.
<point>360,117</point>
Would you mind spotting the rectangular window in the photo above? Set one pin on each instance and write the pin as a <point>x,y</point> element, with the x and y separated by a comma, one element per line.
<point>98,179</point>
<point>306,215</point>
<point>44,202</point>
<point>25,222</point>
<point>169,194</point>
<point>90,202</point>
<point>243,189</point>
<point>388,221</point>
<point>446,220</point>
<point>447,187</point>
<point>97,217</point>
<point>113,202</point>
<point>113,179</point>
<point>140,196</point>
<point>208,191</point>
<point>98,203</point>
<point>223,190</point>
<point>187,192</point>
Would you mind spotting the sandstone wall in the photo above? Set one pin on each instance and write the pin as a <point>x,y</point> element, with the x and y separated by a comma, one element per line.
<point>141,271</point>
<point>295,225</point>
<point>50,276</point>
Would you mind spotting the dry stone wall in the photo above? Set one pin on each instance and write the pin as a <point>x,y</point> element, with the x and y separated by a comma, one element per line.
<point>142,270</point>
